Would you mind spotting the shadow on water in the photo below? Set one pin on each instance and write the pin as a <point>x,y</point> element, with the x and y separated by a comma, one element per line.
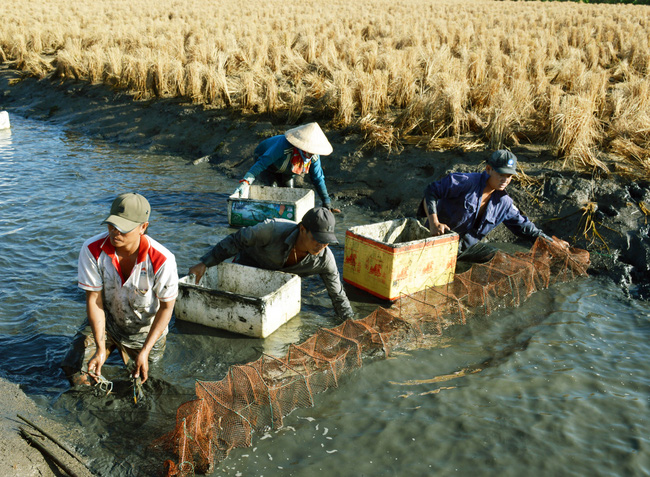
<point>123,430</point>
<point>36,367</point>
<point>482,345</point>
<point>232,349</point>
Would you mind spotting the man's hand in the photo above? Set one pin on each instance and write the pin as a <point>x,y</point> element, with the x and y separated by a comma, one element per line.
<point>158,327</point>
<point>142,366</point>
<point>437,228</point>
<point>96,363</point>
<point>97,321</point>
<point>198,271</point>
<point>334,210</point>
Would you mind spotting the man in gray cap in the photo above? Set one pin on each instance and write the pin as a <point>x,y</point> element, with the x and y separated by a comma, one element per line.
<point>131,283</point>
<point>472,204</point>
<point>278,244</point>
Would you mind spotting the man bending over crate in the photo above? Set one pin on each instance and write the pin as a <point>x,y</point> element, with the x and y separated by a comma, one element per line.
<point>278,244</point>
<point>472,204</point>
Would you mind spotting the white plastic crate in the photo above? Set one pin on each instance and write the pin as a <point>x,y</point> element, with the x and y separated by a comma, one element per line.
<point>261,203</point>
<point>233,297</point>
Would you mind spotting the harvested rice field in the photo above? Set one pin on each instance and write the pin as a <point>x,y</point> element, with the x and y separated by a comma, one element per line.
<point>467,74</point>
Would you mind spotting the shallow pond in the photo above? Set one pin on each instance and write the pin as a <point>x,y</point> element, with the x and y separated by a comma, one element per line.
<point>557,386</point>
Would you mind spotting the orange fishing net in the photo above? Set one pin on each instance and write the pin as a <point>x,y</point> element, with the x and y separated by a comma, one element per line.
<point>258,395</point>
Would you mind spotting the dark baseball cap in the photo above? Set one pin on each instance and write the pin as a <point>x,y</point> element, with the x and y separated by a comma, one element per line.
<point>504,162</point>
<point>320,222</point>
<point>128,211</point>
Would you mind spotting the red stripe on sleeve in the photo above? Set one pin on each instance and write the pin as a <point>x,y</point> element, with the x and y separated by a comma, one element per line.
<point>158,259</point>
<point>95,248</point>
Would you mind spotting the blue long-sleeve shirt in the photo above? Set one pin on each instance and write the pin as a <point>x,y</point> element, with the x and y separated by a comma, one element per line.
<point>456,199</point>
<point>275,154</point>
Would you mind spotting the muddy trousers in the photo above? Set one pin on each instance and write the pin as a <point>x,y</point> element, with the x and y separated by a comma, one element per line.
<point>83,347</point>
<point>478,253</point>
<point>276,179</point>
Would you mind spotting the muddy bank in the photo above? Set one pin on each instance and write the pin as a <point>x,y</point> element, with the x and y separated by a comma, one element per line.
<point>17,456</point>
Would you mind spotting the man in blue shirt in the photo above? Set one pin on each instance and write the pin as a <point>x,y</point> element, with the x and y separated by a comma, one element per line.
<point>472,204</point>
<point>279,159</point>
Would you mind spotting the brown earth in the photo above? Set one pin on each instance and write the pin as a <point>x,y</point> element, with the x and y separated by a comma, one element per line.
<point>606,215</point>
<point>20,458</point>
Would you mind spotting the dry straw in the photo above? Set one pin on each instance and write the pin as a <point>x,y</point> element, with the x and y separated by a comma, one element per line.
<point>446,72</point>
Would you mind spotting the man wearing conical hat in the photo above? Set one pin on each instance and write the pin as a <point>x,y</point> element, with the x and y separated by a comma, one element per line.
<point>279,159</point>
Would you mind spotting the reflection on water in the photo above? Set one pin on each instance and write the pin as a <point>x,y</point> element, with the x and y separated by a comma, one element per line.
<point>558,386</point>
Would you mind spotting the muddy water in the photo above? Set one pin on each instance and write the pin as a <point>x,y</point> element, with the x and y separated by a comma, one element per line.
<point>558,386</point>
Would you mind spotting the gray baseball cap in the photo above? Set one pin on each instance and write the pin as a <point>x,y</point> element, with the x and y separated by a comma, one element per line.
<point>504,162</point>
<point>128,211</point>
<point>320,222</point>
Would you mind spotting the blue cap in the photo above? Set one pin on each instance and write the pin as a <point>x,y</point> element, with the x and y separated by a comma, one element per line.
<point>504,162</point>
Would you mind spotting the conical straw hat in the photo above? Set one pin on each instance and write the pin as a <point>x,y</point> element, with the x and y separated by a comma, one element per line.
<point>310,138</point>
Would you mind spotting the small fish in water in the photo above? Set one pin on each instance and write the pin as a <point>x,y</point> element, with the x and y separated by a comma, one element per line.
<point>138,393</point>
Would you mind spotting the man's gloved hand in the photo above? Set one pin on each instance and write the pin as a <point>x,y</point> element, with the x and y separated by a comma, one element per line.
<point>242,190</point>
<point>244,184</point>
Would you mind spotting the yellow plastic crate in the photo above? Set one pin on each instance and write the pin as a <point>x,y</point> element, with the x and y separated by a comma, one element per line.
<point>390,258</point>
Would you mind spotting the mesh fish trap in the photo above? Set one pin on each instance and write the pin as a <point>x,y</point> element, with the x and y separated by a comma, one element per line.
<point>260,394</point>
